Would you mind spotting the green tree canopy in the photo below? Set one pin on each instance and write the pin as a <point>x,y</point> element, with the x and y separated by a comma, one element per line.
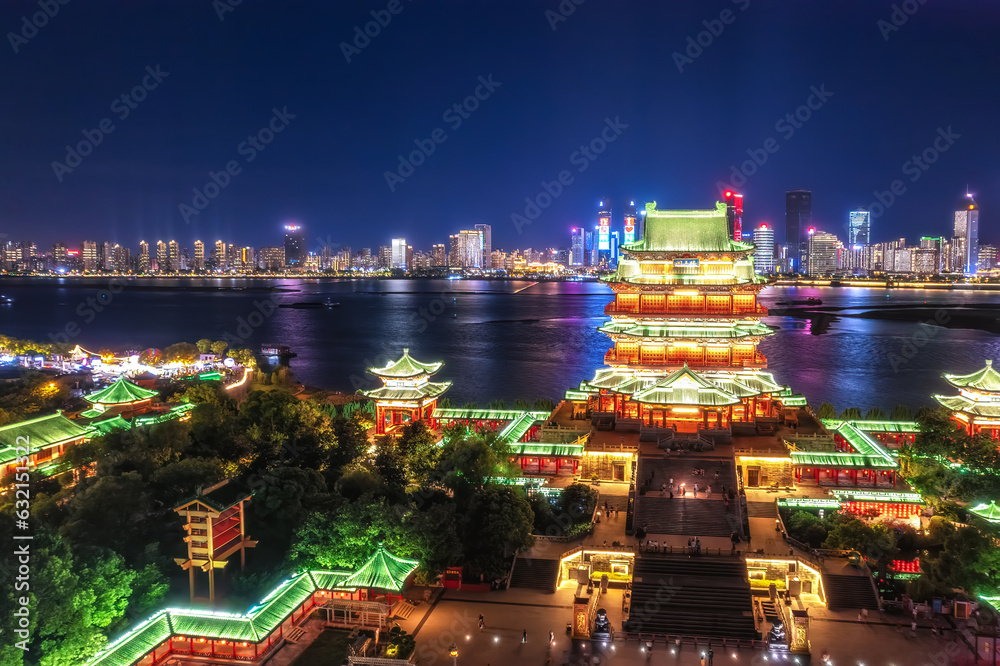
<point>827,411</point>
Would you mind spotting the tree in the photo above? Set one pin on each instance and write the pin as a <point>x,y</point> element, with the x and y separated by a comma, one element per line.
<point>851,414</point>
<point>434,537</point>
<point>827,411</point>
<point>901,413</point>
<point>418,446</point>
<point>184,352</point>
<point>345,538</point>
<point>204,345</point>
<point>544,405</point>
<point>807,527</point>
<point>219,347</point>
<point>244,357</point>
<point>500,523</point>
<point>496,404</point>
<point>875,414</point>
<point>522,404</point>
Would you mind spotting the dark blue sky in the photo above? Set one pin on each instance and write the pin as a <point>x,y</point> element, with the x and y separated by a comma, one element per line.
<point>608,59</point>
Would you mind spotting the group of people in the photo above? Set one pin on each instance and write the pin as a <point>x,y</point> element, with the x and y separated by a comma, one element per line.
<point>610,511</point>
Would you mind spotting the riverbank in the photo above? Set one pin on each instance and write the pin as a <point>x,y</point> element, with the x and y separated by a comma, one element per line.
<point>887,284</point>
<point>981,317</point>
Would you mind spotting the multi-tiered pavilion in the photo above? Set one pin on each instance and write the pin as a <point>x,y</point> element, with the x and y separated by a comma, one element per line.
<point>685,324</point>
<point>407,393</point>
<point>976,408</point>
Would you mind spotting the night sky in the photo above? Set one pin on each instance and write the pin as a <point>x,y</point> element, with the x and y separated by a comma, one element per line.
<point>678,134</point>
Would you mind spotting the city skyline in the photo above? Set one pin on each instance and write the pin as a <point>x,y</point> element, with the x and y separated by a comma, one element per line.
<point>323,160</point>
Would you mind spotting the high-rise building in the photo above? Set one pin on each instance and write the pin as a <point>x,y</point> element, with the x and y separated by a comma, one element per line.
<point>199,255</point>
<point>295,245</point>
<point>734,214</point>
<point>966,237</point>
<point>162,257</point>
<point>220,256</point>
<point>823,253</point>
<point>88,253</point>
<point>486,241</point>
<point>174,259</point>
<point>630,219</point>
<point>467,248</point>
<point>143,257</point>
<point>859,227</point>
<point>763,240</point>
<point>604,228</point>
<point>398,259</point>
<point>439,255</point>
<point>576,244</point>
<point>271,258</point>
<point>987,257</point>
<point>798,219</point>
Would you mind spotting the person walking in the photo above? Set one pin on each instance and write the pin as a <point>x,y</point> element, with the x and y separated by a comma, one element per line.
<point>524,636</point>
<point>552,638</point>
<point>708,492</point>
<point>864,614</point>
<point>697,487</point>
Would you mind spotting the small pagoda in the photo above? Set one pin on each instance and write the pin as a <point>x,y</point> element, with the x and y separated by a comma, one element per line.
<point>215,532</point>
<point>407,393</point>
<point>121,397</point>
<point>976,408</point>
<point>382,577</point>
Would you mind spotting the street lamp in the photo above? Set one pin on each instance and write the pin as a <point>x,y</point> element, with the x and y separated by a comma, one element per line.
<point>453,653</point>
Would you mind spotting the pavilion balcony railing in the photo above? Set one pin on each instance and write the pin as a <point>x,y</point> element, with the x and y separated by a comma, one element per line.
<point>754,310</point>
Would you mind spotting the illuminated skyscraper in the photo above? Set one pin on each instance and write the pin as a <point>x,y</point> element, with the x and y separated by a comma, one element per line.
<point>734,214</point>
<point>220,256</point>
<point>174,256</point>
<point>965,242</point>
<point>604,229</point>
<point>88,253</point>
<point>295,245</point>
<point>439,255</point>
<point>823,253</point>
<point>199,255</point>
<point>398,258</point>
<point>143,256</point>
<point>576,246</point>
<point>763,240</point>
<point>162,257</point>
<point>486,241</point>
<point>630,219</point>
<point>798,218</point>
<point>859,228</point>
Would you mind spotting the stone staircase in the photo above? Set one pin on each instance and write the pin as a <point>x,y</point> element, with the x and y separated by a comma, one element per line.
<point>687,515</point>
<point>849,592</point>
<point>706,597</point>
<point>535,574</point>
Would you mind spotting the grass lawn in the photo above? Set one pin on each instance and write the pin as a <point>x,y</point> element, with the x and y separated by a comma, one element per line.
<point>330,647</point>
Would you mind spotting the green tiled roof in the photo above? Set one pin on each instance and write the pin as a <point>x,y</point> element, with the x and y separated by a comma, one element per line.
<point>708,331</point>
<point>794,400</point>
<point>382,571</point>
<point>425,390</point>
<point>259,621</point>
<point>876,426</point>
<point>131,647</point>
<point>41,432</point>
<point>685,231</point>
<point>515,430</point>
<point>877,496</point>
<point>452,414</point>
<point>959,403</point>
<point>986,379</point>
<point>114,423</point>
<point>685,387</point>
<point>121,392</point>
<point>546,450</point>
<point>840,460</point>
<point>406,366</point>
<point>990,512</point>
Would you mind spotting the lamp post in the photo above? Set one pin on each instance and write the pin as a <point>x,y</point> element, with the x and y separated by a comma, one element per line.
<point>453,653</point>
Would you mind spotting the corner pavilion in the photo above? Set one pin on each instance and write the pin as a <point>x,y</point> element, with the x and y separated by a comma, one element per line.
<point>976,408</point>
<point>685,324</point>
<point>121,397</point>
<point>407,394</point>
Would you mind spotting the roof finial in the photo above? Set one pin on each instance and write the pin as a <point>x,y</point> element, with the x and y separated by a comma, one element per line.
<point>406,350</point>
<point>989,363</point>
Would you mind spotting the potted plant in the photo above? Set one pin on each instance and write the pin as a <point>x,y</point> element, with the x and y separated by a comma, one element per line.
<point>596,480</point>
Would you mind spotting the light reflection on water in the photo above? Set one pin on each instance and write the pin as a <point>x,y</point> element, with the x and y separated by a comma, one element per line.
<point>504,339</point>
